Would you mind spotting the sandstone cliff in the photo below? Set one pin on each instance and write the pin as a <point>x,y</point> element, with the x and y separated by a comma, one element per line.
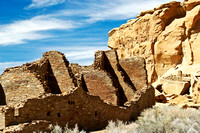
<point>165,36</point>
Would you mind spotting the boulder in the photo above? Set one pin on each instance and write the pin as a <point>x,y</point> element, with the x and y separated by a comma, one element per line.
<point>179,100</point>
<point>175,87</point>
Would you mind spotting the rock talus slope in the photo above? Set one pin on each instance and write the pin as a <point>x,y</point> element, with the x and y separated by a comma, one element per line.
<point>165,36</point>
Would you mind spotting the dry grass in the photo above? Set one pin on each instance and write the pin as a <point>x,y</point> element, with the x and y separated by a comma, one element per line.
<point>58,129</point>
<point>170,119</point>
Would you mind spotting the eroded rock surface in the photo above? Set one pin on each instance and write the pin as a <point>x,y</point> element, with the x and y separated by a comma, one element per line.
<point>165,36</point>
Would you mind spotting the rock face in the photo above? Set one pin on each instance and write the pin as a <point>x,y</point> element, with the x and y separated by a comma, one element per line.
<point>165,36</point>
<point>52,90</point>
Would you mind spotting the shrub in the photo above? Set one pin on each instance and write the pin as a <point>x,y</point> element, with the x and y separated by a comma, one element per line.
<point>159,119</point>
<point>58,129</point>
<point>164,119</point>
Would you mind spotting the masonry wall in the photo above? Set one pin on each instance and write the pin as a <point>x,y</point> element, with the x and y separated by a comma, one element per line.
<point>28,81</point>
<point>20,85</point>
<point>2,96</point>
<point>2,118</point>
<point>89,112</point>
<point>106,91</point>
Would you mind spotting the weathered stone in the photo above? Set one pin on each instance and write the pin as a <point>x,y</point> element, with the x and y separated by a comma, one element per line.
<point>124,80</point>
<point>34,126</point>
<point>28,81</point>
<point>44,90</point>
<point>61,70</point>
<point>194,90</point>
<point>166,37</point>
<point>179,100</point>
<point>175,87</point>
<point>135,69</point>
<point>100,84</point>
<point>19,85</point>
<point>89,112</point>
<point>190,4</point>
<point>2,96</point>
<point>159,97</point>
<point>99,60</point>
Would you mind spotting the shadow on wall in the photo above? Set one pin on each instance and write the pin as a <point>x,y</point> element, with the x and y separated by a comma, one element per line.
<point>2,96</point>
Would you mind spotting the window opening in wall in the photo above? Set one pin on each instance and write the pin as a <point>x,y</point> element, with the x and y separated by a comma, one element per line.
<point>71,102</point>
<point>58,114</point>
<point>48,113</point>
<point>16,113</point>
<point>95,113</point>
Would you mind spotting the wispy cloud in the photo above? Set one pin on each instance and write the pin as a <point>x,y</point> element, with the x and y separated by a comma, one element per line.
<point>85,13</point>
<point>78,54</point>
<point>44,3</point>
<point>21,31</point>
<point>102,10</point>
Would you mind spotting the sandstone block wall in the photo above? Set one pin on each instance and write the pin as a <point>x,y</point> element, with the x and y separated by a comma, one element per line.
<point>89,112</point>
<point>136,71</point>
<point>61,70</point>
<point>19,85</point>
<point>100,84</point>
<point>54,90</point>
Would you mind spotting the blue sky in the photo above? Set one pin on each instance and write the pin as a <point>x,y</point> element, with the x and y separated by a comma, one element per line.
<point>28,28</point>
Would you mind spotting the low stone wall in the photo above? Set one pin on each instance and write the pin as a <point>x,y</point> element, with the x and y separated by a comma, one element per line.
<point>89,112</point>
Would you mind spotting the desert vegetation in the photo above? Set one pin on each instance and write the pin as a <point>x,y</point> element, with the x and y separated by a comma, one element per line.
<point>159,119</point>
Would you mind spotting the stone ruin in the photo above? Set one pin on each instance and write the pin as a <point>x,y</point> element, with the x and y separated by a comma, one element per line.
<point>54,91</point>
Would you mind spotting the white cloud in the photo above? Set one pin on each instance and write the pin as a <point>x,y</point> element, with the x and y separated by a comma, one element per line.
<point>76,54</point>
<point>112,10</point>
<point>44,3</point>
<point>87,12</point>
<point>84,55</point>
<point>21,31</point>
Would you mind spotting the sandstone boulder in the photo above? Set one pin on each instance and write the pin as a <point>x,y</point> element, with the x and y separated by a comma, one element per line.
<point>159,97</point>
<point>179,100</point>
<point>195,88</point>
<point>175,87</point>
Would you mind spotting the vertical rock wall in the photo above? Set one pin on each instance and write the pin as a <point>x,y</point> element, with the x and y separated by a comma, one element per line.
<point>165,36</point>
